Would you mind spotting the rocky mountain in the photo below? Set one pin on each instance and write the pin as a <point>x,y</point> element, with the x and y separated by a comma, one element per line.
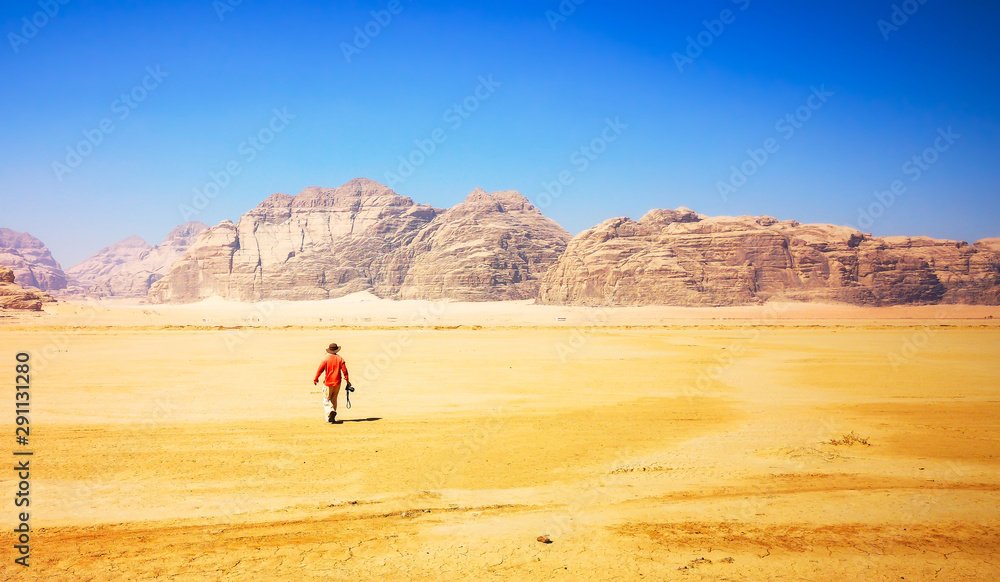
<point>129,268</point>
<point>326,243</point>
<point>989,244</point>
<point>13,296</point>
<point>31,261</point>
<point>677,257</point>
<point>490,247</point>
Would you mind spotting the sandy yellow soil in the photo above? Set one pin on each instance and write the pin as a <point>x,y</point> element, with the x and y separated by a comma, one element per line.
<point>690,452</point>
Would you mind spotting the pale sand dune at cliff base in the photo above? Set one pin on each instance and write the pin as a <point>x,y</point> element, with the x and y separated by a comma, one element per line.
<point>364,309</point>
<point>697,451</point>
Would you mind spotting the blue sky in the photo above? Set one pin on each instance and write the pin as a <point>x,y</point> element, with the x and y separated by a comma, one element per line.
<point>889,93</point>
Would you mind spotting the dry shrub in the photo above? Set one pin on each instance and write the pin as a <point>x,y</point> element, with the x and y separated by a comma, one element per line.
<point>850,439</point>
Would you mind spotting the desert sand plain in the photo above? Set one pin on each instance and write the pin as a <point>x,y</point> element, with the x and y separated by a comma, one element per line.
<point>187,443</point>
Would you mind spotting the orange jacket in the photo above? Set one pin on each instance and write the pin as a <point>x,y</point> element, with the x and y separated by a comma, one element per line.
<point>333,365</point>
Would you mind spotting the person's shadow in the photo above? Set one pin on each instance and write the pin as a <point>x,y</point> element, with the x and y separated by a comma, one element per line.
<point>359,420</point>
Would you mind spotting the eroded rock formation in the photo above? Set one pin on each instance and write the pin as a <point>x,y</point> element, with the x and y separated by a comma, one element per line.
<point>677,257</point>
<point>129,268</point>
<point>325,243</point>
<point>13,296</point>
<point>31,261</point>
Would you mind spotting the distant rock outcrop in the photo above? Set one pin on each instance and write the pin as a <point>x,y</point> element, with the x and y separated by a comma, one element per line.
<point>490,247</point>
<point>989,244</point>
<point>129,268</point>
<point>677,257</point>
<point>326,243</point>
<point>31,261</point>
<point>13,296</point>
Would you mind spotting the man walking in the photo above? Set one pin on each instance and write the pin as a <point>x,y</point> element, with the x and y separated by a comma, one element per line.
<point>333,365</point>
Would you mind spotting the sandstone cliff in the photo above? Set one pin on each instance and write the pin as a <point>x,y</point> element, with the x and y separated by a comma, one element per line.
<point>13,296</point>
<point>129,268</point>
<point>325,243</point>
<point>31,261</point>
<point>677,257</point>
<point>490,247</point>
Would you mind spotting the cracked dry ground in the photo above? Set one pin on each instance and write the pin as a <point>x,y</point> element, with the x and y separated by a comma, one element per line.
<point>165,455</point>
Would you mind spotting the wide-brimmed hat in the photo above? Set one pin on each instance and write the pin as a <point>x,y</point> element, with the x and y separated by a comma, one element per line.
<point>333,349</point>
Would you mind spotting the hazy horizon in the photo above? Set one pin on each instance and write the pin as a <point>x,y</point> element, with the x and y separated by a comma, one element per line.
<point>159,239</point>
